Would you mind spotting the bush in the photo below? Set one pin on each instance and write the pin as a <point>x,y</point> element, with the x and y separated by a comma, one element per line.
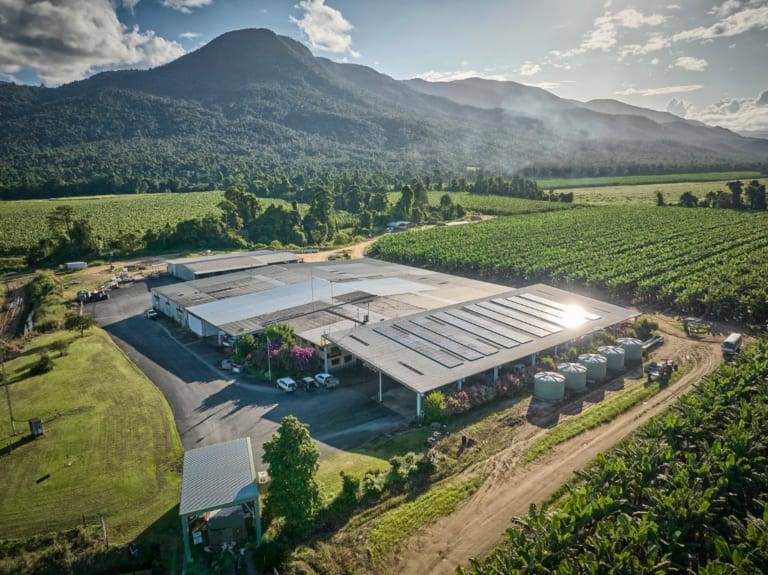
<point>372,484</point>
<point>645,327</point>
<point>44,364</point>
<point>434,408</point>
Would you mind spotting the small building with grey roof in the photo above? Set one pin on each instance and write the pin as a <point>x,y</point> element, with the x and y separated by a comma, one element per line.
<point>218,478</point>
<point>189,269</point>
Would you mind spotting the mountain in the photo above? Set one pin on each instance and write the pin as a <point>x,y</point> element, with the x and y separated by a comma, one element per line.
<point>616,108</point>
<point>251,105</point>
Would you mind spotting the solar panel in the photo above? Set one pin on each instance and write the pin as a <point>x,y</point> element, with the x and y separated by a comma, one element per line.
<point>507,317</point>
<point>440,341</point>
<point>456,334</point>
<point>494,332</point>
<point>535,317</point>
<point>550,303</point>
<point>419,346</point>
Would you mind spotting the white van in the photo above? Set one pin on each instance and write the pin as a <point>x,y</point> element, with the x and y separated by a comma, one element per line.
<point>731,345</point>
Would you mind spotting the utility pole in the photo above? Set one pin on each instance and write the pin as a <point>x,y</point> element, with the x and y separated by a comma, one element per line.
<point>269,361</point>
<point>3,348</point>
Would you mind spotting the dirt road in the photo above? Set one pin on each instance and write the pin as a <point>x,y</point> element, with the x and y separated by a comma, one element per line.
<point>478,524</point>
<point>355,251</point>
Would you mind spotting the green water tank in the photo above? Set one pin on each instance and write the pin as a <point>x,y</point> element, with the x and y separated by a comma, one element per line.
<point>549,385</point>
<point>633,349</point>
<point>575,375</point>
<point>597,366</point>
<point>615,356</point>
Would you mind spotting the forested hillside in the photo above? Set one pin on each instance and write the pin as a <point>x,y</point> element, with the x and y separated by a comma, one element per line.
<point>251,104</point>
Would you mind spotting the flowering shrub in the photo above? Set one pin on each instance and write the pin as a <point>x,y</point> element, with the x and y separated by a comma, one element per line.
<point>457,402</point>
<point>302,358</point>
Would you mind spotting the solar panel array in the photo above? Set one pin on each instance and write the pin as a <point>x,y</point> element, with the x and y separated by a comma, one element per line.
<point>452,337</point>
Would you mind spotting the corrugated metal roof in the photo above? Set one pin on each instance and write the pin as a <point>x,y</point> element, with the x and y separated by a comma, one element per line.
<point>217,476</point>
<point>433,348</point>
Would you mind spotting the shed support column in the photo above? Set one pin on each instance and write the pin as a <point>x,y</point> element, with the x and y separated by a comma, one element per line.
<point>380,397</point>
<point>460,384</point>
<point>185,534</point>
<point>257,521</point>
<point>495,373</point>
<point>325,358</point>
<point>418,405</point>
<point>533,359</point>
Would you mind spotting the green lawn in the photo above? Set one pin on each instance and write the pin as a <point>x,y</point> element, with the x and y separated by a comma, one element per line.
<point>374,456</point>
<point>110,448</point>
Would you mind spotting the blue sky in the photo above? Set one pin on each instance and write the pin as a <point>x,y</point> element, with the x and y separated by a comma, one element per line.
<point>700,59</point>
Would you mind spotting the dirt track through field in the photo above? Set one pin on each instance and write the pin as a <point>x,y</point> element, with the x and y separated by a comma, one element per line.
<point>478,524</point>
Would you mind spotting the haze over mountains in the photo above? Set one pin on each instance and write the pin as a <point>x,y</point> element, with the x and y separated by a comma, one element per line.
<point>251,101</point>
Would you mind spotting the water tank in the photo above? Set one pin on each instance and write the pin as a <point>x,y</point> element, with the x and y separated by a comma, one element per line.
<point>575,375</point>
<point>597,366</point>
<point>615,356</point>
<point>633,349</point>
<point>549,385</point>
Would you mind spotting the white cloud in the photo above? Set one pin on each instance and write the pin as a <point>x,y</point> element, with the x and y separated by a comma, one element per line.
<point>546,85</point>
<point>673,6</point>
<point>678,107</point>
<point>659,91</point>
<point>529,69</point>
<point>690,64</point>
<point>733,25</point>
<point>66,41</point>
<point>604,34</point>
<point>726,8</point>
<point>186,6</point>
<point>189,35</point>
<point>738,114</point>
<point>129,4</point>
<point>655,62</point>
<point>434,76</point>
<point>325,27</point>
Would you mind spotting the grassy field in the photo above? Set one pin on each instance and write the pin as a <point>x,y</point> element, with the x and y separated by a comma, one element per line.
<point>495,205</point>
<point>561,183</point>
<point>645,195</point>
<point>110,447</point>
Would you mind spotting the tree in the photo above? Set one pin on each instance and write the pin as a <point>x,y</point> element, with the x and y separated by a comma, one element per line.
<point>60,221</point>
<point>660,199</point>
<point>44,364</point>
<point>688,200</point>
<point>61,346</point>
<point>79,323</point>
<point>735,188</point>
<point>293,457</point>
<point>755,192</point>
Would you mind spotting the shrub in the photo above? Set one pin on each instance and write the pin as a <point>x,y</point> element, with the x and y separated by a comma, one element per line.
<point>548,363</point>
<point>645,327</point>
<point>434,408</point>
<point>44,364</point>
<point>372,484</point>
<point>457,402</point>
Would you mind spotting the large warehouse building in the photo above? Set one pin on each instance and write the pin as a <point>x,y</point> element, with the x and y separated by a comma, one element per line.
<point>421,328</point>
<point>188,269</point>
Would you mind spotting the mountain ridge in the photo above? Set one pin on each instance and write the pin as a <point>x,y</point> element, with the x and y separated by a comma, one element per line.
<point>250,102</point>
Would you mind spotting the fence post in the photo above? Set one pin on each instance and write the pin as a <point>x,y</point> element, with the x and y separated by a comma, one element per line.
<point>104,530</point>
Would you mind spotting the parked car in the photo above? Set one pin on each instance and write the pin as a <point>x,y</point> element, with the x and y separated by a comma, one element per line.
<point>286,384</point>
<point>309,383</point>
<point>327,380</point>
<point>151,313</point>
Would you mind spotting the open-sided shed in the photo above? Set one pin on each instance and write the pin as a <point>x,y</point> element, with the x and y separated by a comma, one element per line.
<point>216,477</point>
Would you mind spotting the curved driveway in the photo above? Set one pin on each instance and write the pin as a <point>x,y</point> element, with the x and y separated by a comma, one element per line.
<point>209,406</point>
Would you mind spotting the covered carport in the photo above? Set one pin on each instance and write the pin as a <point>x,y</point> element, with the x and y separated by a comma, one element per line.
<point>218,477</point>
<point>443,346</point>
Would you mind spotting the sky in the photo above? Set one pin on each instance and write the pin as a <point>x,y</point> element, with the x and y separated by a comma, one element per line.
<point>699,59</point>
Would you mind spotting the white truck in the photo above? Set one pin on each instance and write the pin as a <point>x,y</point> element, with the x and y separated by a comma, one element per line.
<point>731,345</point>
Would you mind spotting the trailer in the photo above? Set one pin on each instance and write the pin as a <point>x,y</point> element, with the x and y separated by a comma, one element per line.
<point>696,325</point>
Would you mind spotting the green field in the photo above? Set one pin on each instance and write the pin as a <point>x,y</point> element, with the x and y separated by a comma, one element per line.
<point>110,447</point>
<point>703,261</point>
<point>645,195</point>
<point>494,205</point>
<point>561,183</point>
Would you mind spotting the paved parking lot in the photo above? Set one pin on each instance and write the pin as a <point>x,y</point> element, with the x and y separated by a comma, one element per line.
<point>209,406</point>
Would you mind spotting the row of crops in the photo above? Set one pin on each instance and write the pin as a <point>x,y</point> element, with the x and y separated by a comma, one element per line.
<point>23,223</point>
<point>709,262</point>
<point>687,494</point>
